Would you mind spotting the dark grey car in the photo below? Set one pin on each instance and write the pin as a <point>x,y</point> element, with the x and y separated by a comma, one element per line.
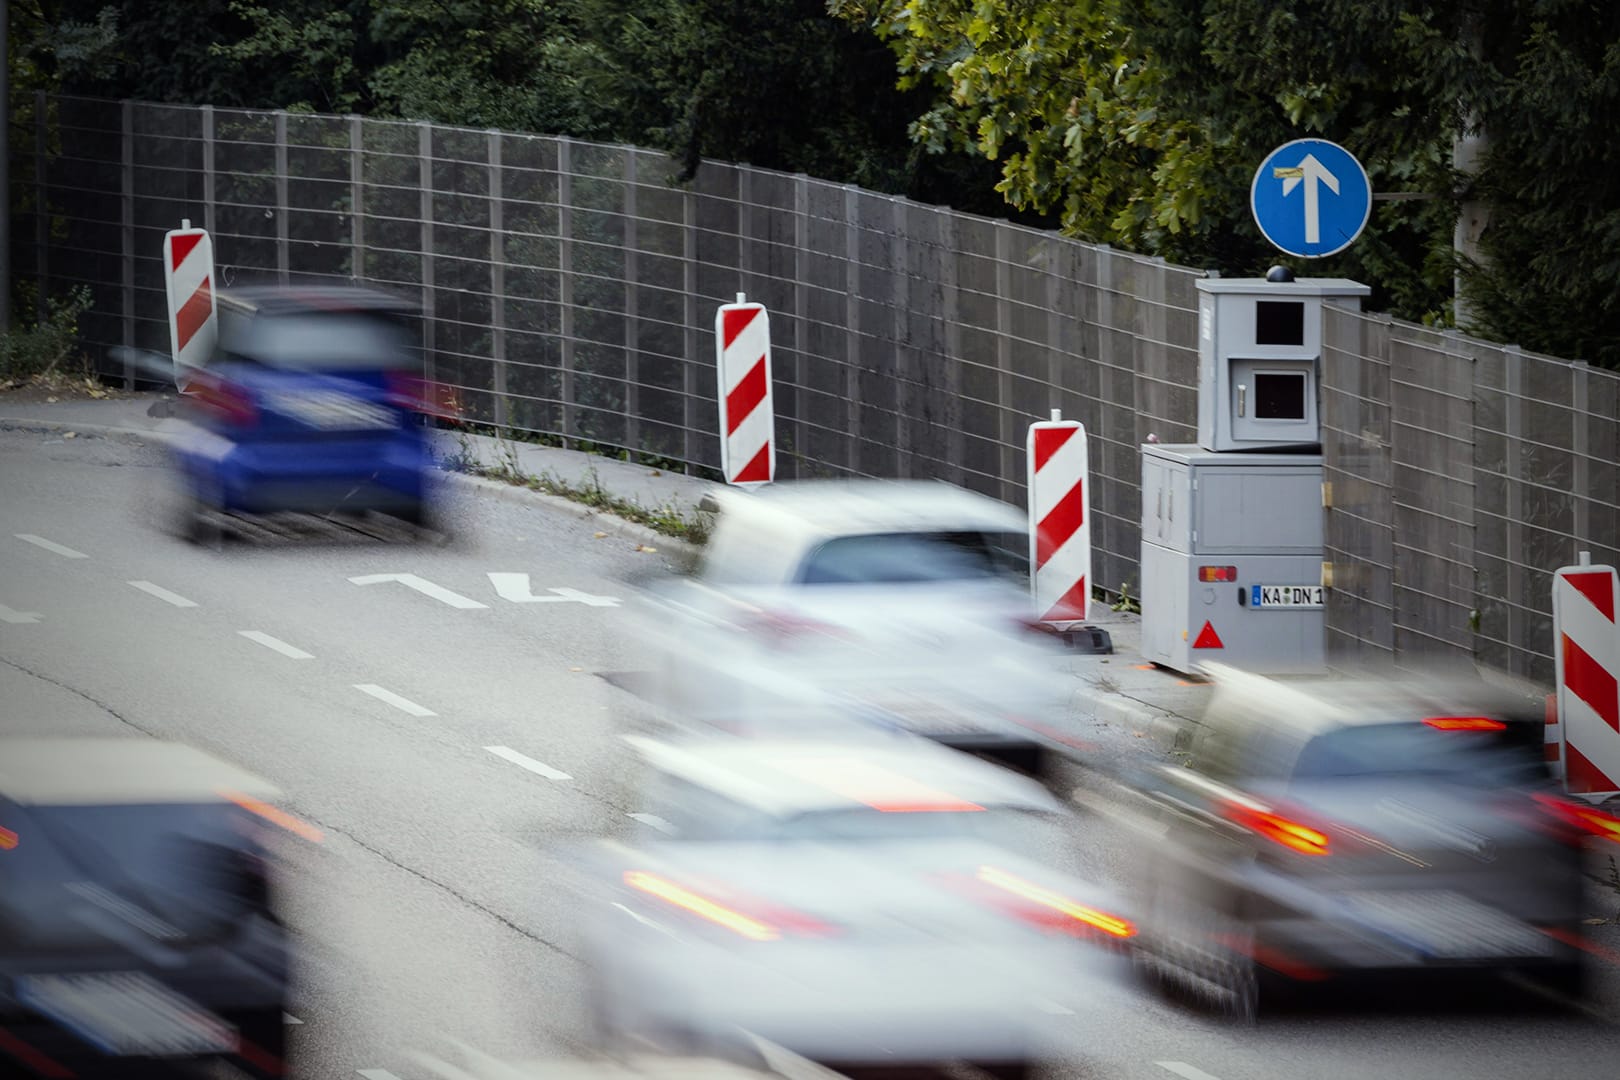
<point>138,933</point>
<point>1356,827</point>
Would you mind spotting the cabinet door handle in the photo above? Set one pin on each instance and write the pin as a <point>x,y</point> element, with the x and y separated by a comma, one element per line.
<point>1243,394</point>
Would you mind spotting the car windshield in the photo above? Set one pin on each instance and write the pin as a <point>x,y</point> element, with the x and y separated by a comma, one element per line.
<point>917,558</point>
<point>323,341</point>
<point>1414,749</point>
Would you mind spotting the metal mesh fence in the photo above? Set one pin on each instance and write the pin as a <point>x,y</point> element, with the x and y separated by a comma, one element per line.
<point>1463,474</point>
<point>569,289</point>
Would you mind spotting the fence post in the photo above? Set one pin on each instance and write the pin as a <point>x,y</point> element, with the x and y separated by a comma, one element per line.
<point>357,200</point>
<point>801,321</point>
<point>1008,432</point>
<point>1513,421</point>
<point>283,258</point>
<point>497,282</point>
<point>210,201</point>
<point>1581,475</point>
<point>898,252</point>
<point>565,281</point>
<point>955,439</point>
<point>128,231</point>
<point>632,332</point>
<point>42,206</point>
<point>852,323</point>
<point>424,151</point>
<point>694,338</point>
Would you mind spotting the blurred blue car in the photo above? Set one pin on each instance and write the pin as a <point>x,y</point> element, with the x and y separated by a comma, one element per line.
<point>313,403</point>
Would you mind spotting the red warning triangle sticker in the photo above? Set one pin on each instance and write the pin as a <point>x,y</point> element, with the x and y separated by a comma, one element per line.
<point>1208,638</point>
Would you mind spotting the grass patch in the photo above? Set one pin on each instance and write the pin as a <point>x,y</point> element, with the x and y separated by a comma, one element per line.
<point>667,520</point>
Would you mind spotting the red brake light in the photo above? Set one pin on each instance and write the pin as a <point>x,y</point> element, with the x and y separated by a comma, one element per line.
<point>424,396</point>
<point>1069,912</point>
<point>1217,573</point>
<point>1294,835</point>
<point>221,399</point>
<point>768,924</point>
<point>274,815</point>
<point>1585,818</point>
<point>1464,723</point>
<point>8,839</point>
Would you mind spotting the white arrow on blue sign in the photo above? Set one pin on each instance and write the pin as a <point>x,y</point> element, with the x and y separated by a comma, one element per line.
<point>1311,198</point>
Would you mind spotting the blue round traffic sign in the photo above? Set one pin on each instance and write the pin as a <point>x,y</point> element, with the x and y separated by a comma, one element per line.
<point>1311,198</point>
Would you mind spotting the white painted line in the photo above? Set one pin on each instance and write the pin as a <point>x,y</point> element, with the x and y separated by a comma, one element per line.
<point>51,545</point>
<point>528,763</point>
<point>515,587</point>
<point>423,586</point>
<point>289,1018</point>
<point>654,820</point>
<point>276,643</point>
<point>1184,1070</point>
<point>12,615</point>
<point>403,704</point>
<point>377,1074</point>
<point>1052,1008</point>
<point>163,594</point>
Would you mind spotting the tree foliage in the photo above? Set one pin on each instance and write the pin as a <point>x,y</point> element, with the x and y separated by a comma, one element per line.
<point>1134,122</point>
<point>1140,122</point>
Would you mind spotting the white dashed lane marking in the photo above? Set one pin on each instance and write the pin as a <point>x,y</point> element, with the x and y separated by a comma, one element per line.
<point>51,545</point>
<point>1184,1070</point>
<point>289,1018</point>
<point>652,820</point>
<point>163,594</point>
<point>12,615</point>
<point>528,763</point>
<point>400,703</point>
<point>277,644</point>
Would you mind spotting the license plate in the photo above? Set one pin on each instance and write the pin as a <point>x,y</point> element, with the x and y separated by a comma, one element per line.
<point>332,411</point>
<point>127,1014</point>
<point>1446,925</point>
<point>1285,596</point>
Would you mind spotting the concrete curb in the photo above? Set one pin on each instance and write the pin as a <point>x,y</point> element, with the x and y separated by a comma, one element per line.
<point>1168,730</point>
<point>31,424</point>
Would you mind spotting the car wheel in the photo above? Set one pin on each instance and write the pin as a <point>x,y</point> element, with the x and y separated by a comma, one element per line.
<point>1209,954</point>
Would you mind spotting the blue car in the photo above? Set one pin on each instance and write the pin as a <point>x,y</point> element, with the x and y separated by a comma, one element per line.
<point>313,403</point>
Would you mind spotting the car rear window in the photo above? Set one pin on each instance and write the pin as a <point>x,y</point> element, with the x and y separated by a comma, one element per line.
<point>917,558</point>
<point>323,341</point>
<point>1415,749</point>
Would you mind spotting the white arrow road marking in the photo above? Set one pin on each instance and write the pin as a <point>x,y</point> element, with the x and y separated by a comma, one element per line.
<point>403,704</point>
<point>1310,172</point>
<point>163,594</point>
<point>423,586</point>
<point>1184,1070</point>
<point>51,545</point>
<point>11,615</point>
<point>528,763</point>
<point>276,643</point>
<point>515,587</point>
<point>377,1074</point>
<point>289,1018</point>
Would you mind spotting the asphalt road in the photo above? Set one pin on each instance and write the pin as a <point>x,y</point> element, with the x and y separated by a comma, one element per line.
<point>452,742</point>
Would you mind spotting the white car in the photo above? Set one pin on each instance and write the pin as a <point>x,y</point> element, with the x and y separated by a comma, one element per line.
<point>857,904</point>
<point>902,604</point>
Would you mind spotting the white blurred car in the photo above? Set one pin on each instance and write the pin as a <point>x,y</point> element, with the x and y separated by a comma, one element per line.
<point>856,904</point>
<point>898,604</point>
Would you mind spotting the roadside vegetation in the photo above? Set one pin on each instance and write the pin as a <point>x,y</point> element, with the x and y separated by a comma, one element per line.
<point>1136,123</point>
<point>45,352</point>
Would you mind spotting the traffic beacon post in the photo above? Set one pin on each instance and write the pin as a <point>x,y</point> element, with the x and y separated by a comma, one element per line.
<point>1232,525</point>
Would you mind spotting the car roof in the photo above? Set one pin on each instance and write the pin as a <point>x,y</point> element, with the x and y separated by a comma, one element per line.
<point>294,299</point>
<point>785,777</point>
<point>852,507</point>
<point>118,772</point>
<point>1318,706</point>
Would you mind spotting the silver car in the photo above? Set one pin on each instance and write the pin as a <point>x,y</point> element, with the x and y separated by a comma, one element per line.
<point>857,904</point>
<point>1359,827</point>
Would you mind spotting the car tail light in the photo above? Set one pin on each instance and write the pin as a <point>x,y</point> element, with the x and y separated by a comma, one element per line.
<point>275,815</point>
<point>747,919</point>
<point>1054,910</point>
<point>425,396</point>
<point>1464,723</point>
<point>1279,828</point>
<point>222,400</point>
<point>1583,819</point>
<point>1217,573</point>
<point>8,839</point>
